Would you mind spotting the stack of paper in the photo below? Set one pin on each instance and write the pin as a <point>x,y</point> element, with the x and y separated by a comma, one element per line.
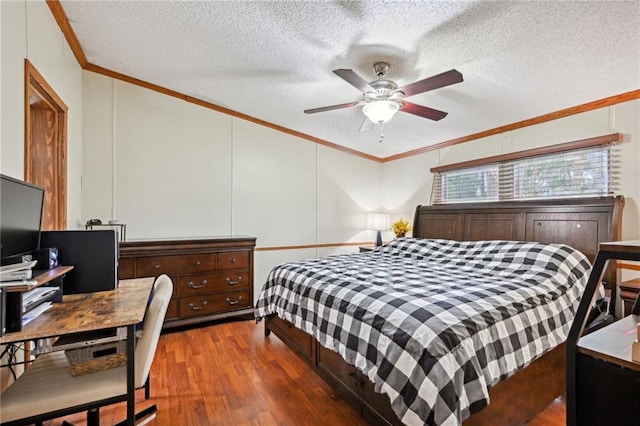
<point>33,314</point>
<point>17,272</point>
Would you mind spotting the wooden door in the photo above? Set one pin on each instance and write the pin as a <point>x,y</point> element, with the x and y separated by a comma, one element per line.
<point>46,146</point>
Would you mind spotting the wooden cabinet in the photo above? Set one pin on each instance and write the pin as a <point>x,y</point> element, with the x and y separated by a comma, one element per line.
<point>212,277</point>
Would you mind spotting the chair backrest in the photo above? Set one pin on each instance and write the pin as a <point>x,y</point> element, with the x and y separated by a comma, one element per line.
<point>153,320</point>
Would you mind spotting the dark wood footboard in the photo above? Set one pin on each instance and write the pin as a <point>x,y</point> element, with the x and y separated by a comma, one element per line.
<point>513,401</point>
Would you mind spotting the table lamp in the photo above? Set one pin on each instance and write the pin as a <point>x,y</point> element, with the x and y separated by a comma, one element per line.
<point>378,222</point>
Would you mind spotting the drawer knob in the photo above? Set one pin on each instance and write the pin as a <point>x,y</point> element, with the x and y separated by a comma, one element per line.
<point>197,263</point>
<point>196,286</point>
<point>234,302</point>
<point>237,281</point>
<point>234,260</point>
<point>156,267</point>
<point>197,308</point>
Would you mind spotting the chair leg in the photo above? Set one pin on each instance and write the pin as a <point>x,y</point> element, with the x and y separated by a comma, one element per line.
<point>93,417</point>
<point>145,415</point>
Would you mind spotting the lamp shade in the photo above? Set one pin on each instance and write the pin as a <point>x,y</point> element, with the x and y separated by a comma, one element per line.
<point>378,221</point>
<point>380,111</point>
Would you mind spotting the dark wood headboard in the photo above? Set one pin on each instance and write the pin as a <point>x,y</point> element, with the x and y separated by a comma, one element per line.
<point>581,223</point>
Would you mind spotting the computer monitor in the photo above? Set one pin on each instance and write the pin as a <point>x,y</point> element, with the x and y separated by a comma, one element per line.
<point>21,207</point>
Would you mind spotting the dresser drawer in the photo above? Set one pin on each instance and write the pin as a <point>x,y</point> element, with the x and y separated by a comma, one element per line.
<point>212,282</point>
<point>172,309</point>
<point>233,260</point>
<point>194,306</point>
<point>125,269</point>
<point>154,266</point>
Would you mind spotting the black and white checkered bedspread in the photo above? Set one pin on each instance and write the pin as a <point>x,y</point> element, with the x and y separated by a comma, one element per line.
<point>434,323</point>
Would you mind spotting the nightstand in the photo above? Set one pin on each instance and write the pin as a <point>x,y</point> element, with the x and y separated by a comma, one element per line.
<point>364,249</point>
<point>628,291</point>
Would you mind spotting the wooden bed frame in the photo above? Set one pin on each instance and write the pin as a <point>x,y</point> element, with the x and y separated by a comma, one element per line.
<point>580,223</point>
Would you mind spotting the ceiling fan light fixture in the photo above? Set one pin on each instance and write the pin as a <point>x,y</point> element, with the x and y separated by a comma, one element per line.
<point>380,111</point>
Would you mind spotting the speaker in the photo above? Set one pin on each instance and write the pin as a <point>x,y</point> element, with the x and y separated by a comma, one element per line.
<point>93,255</point>
<point>47,258</point>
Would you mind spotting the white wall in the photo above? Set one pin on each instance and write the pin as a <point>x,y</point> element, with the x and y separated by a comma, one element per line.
<point>29,31</point>
<point>171,169</point>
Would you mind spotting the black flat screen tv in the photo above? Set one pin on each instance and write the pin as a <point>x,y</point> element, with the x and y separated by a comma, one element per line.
<point>21,207</point>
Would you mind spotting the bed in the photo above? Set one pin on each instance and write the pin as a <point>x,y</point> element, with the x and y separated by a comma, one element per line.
<point>474,309</point>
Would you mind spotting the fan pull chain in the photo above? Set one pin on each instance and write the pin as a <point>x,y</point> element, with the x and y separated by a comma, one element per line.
<point>381,133</point>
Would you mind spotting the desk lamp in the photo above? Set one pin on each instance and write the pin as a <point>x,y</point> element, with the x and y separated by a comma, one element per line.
<point>378,222</point>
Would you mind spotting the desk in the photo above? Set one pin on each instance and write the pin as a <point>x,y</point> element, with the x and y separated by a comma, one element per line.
<point>123,307</point>
<point>599,366</point>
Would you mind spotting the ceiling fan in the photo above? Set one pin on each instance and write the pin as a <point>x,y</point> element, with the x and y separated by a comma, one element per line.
<point>383,98</point>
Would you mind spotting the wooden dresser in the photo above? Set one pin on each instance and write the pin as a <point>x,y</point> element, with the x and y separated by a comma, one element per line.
<point>212,277</point>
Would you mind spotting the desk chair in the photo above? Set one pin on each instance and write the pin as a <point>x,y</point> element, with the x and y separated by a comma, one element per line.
<point>47,389</point>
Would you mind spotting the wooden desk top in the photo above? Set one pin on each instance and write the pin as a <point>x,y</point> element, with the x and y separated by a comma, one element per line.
<point>101,310</point>
<point>629,246</point>
<point>613,342</point>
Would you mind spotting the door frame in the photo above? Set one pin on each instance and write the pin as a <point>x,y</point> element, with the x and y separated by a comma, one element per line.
<point>36,85</point>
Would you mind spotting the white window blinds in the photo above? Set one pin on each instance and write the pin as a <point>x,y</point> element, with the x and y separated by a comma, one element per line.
<point>583,172</point>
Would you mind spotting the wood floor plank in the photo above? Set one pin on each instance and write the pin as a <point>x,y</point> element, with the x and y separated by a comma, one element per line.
<point>231,374</point>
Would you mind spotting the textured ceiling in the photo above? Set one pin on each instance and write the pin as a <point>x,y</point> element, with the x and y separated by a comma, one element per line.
<point>273,59</point>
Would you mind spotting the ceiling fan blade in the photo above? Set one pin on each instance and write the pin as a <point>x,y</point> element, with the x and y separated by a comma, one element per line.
<point>422,111</point>
<point>355,80</point>
<point>445,79</point>
<point>332,107</point>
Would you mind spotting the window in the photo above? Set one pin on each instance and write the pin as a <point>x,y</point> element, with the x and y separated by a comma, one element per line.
<point>583,168</point>
<point>467,185</point>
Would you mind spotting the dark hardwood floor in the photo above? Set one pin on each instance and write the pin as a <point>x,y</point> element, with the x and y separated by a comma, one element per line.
<point>230,374</point>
